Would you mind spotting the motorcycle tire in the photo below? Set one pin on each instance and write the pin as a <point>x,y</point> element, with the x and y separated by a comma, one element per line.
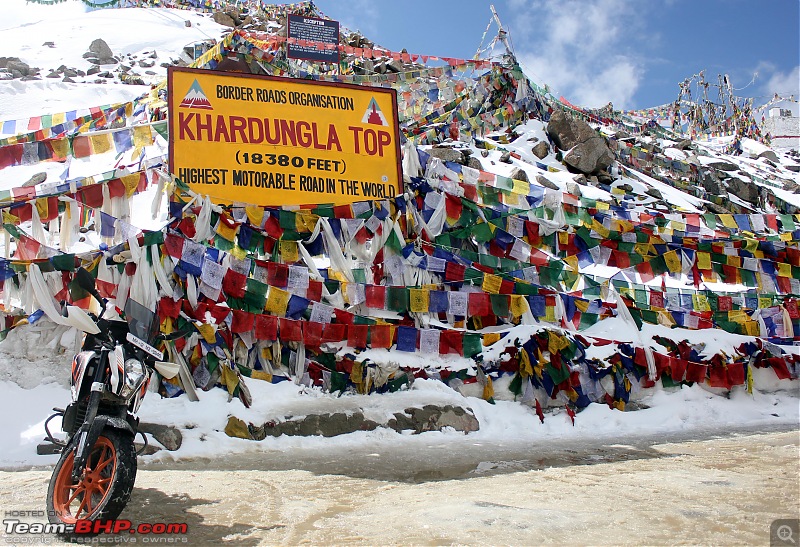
<point>108,481</point>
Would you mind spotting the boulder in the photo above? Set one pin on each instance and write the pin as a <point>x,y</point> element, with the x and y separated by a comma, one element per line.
<point>223,18</point>
<point>745,190</point>
<point>547,183</point>
<point>38,178</point>
<point>541,150</point>
<point>506,157</point>
<point>170,437</point>
<point>574,188</point>
<point>519,174</point>
<point>770,155</point>
<point>475,163</point>
<point>22,68</point>
<point>100,49</point>
<point>434,418</point>
<point>567,132</point>
<point>590,156</point>
<point>654,192</point>
<point>587,151</point>
<point>684,144</point>
<point>447,153</point>
<point>724,165</point>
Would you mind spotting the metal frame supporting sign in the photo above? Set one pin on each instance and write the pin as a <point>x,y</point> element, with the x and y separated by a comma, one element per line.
<point>275,141</point>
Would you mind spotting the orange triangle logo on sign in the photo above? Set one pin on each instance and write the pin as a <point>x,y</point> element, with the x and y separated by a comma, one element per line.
<point>373,114</point>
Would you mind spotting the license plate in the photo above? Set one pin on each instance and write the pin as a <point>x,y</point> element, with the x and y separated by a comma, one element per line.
<point>139,343</point>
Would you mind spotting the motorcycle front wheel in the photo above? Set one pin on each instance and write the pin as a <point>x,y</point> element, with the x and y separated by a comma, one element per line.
<point>103,489</point>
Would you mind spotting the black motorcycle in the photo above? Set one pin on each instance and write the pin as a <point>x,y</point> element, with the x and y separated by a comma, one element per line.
<point>94,477</point>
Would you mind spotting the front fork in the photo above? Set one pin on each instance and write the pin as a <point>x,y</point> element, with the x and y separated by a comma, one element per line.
<point>91,427</point>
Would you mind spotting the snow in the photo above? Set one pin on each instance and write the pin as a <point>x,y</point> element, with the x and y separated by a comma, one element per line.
<point>34,360</point>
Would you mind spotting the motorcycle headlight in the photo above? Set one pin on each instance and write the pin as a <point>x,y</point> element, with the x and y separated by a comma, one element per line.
<point>135,375</point>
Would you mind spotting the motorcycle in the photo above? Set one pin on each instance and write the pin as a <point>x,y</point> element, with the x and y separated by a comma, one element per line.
<point>93,479</point>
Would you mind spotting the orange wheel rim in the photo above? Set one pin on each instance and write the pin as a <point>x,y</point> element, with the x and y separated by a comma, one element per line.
<point>73,501</point>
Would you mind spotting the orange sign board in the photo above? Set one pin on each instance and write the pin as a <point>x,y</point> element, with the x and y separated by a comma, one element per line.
<point>278,141</point>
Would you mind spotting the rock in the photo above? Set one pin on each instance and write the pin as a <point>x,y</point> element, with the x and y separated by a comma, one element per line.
<point>590,156</point>
<point>485,153</point>
<point>434,418</point>
<point>146,64</point>
<point>53,74</point>
<point>627,188</point>
<point>48,44</point>
<point>38,178</point>
<point>105,74</point>
<point>724,166</point>
<point>447,153</point>
<point>222,18</point>
<point>793,168</point>
<point>770,155</point>
<point>4,75</point>
<point>567,132</point>
<point>574,188</point>
<point>15,65</point>
<point>94,69</point>
<point>170,437</point>
<point>684,145</point>
<point>519,174</point>
<point>68,80</point>
<point>546,182</point>
<point>604,178</point>
<point>541,150</point>
<point>654,192</point>
<point>587,151</point>
<point>475,163</point>
<point>744,190</point>
<point>327,425</point>
<point>717,209</point>
<point>100,49</point>
<point>580,179</point>
<point>506,157</point>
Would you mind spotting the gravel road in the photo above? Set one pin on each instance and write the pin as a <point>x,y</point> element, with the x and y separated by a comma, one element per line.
<point>715,489</point>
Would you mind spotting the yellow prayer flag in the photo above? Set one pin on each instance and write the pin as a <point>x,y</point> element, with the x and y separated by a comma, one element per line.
<point>728,221</point>
<point>751,328</point>
<point>786,237</point>
<point>305,221</point>
<point>60,148</point>
<point>490,338</point>
<point>492,283</point>
<point>42,207</point>
<point>673,261</point>
<point>226,231</point>
<point>142,136</point>
<point>277,301</point>
<point>700,302</point>
<point>735,261</point>
<point>207,331</point>
<point>582,305</point>
<point>101,143</point>
<point>418,300</point>
<point>550,314</point>
<point>784,269</point>
<point>131,182</point>
<point>518,305</point>
<point>59,118</point>
<point>255,214</point>
<point>525,368</point>
<point>600,229</point>
<point>289,251</point>
<point>751,245</point>
<point>703,261</point>
<point>602,206</point>
<point>521,187</point>
<point>238,252</point>
<point>563,238</point>
<point>8,218</point>
<point>764,302</point>
<point>572,262</point>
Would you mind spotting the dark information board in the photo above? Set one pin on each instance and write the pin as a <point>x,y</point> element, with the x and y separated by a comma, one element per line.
<point>322,31</point>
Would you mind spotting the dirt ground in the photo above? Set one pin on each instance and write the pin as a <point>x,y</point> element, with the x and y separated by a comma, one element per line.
<point>721,491</point>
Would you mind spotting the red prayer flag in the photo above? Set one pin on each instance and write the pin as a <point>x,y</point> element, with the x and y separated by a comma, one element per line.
<point>266,327</point>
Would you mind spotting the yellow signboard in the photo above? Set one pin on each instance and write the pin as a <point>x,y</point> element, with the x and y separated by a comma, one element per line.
<point>278,141</point>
